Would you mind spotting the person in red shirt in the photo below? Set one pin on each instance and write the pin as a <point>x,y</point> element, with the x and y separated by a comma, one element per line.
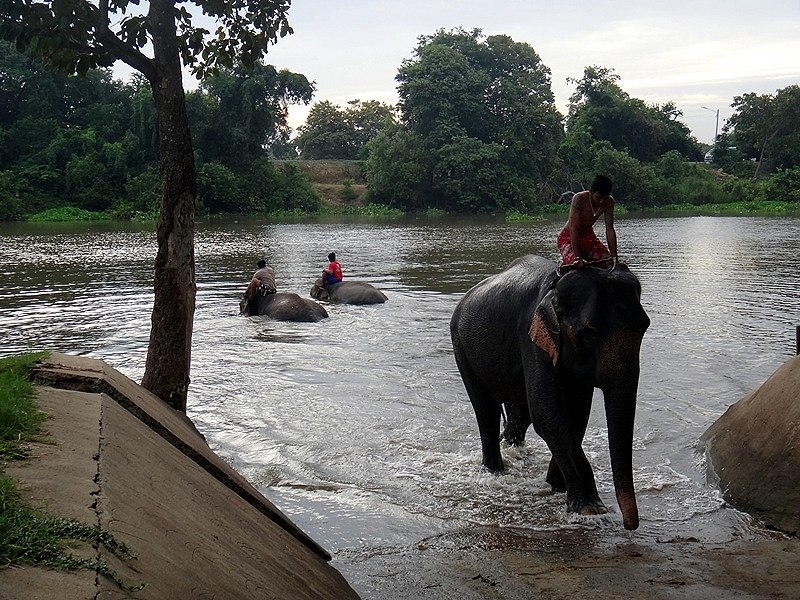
<point>333,272</point>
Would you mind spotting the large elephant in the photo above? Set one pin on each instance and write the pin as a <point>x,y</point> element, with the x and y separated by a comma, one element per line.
<point>284,306</point>
<point>538,344</point>
<point>348,292</point>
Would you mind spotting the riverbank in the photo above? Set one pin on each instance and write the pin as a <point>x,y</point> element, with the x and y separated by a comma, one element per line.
<point>120,459</point>
<point>117,458</point>
<point>500,564</point>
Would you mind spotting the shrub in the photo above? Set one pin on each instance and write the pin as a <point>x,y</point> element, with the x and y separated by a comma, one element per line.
<point>347,193</point>
<point>783,185</point>
<point>69,213</point>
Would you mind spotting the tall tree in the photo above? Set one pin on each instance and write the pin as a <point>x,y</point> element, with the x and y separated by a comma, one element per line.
<point>331,131</point>
<point>76,35</point>
<point>767,128</point>
<point>608,113</point>
<point>488,99</point>
<point>245,111</point>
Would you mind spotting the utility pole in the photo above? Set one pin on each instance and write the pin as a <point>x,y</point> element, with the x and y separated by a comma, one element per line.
<point>716,129</point>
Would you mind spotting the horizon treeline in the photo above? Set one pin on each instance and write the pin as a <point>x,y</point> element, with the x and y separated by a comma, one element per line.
<point>476,130</point>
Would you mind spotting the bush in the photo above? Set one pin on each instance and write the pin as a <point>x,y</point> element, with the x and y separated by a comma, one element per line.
<point>635,184</point>
<point>347,193</point>
<point>744,190</point>
<point>783,185</point>
<point>69,213</point>
<point>294,190</point>
<point>143,195</point>
<point>218,190</point>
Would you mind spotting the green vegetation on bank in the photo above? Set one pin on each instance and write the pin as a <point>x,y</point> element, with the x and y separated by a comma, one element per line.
<point>69,213</point>
<point>761,207</point>
<point>19,418</point>
<point>476,131</point>
<point>27,535</point>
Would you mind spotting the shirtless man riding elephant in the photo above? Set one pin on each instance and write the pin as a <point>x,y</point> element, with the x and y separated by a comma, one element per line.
<point>577,241</point>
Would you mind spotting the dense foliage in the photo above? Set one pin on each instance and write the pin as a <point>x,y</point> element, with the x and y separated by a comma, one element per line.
<point>766,129</point>
<point>479,132</point>
<point>476,130</point>
<point>331,132</point>
<point>91,142</point>
<point>479,126</point>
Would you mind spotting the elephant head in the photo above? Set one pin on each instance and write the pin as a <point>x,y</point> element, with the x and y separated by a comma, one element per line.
<point>590,325</point>
<point>318,291</point>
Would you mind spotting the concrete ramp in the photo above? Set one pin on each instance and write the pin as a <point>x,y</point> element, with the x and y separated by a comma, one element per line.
<point>120,458</point>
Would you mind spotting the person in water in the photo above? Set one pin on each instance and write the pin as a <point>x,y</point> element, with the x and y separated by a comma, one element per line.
<point>577,242</point>
<point>262,283</point>
<point>332,273</point>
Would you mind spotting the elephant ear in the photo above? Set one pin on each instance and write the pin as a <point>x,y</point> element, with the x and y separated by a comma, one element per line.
<point>544,330</point>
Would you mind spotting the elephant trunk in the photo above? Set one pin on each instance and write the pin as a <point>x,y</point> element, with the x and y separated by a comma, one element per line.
<point>620,412</point>
<point>620,404</point>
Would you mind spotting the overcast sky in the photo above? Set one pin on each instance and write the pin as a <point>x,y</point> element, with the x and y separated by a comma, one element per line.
<point>694,53</point>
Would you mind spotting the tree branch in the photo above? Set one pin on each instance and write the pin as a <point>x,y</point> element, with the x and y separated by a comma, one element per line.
<point>126,53</point>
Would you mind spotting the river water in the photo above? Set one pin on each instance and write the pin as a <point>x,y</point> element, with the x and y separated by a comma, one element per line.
<point>358,427</point>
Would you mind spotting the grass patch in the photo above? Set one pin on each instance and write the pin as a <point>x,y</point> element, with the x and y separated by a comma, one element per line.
<point>69,213</point>
<point>540,211</point>
<point>765,207</point>
<point>370,210</point>
<point>19,417</point>
<point>376,210</point>
<point>29,536</point>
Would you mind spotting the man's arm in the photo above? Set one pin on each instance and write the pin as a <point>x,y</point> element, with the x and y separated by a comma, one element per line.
<point>574,222</point>
<point>611,233</point>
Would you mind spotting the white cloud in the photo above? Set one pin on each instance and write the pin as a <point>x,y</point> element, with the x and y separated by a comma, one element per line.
<point>695,53</point>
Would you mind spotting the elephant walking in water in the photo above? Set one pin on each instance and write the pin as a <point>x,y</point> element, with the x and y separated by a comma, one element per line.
<point>348,292</point>
<point>537,345</point>
<point>284,306</point>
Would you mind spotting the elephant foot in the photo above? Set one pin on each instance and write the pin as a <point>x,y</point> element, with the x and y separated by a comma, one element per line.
<point>513,438</point>
<point>587,506</point>
<point>495,465</point>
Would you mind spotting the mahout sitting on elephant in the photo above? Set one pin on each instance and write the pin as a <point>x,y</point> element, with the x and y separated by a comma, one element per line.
<point>536,345</point>
<point>348,292</point>
<point>283,306</point>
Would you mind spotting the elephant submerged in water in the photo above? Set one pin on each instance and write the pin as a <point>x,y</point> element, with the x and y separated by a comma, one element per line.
<point>284,306</point>
<point>348,292</point>
<point>537,345</point>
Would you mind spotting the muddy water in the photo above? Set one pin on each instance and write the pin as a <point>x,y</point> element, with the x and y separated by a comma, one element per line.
<point>358,427</point>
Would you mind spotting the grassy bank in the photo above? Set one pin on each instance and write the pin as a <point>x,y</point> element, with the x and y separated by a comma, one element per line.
<point>762,207</point>
<point>354,207</point>
<point>725,209</point>
<point>29,536</point>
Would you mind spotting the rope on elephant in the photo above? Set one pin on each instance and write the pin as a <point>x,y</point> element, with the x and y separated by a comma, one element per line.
<point>603,263</point>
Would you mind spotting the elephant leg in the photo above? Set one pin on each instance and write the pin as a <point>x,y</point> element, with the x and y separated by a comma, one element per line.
<point>562,424</point>
<point>582,496</point>
<point>578,417</point>
<point>518,419</point>
<point>555,477</point>
<point>487,413</point>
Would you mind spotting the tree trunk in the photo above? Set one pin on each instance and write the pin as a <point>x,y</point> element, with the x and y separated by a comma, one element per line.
<point>169,352</point>
<point>761,156</point>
